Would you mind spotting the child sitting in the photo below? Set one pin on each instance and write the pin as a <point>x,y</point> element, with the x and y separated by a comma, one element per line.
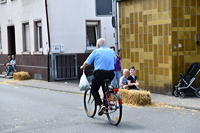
<point>123,80</point>
<point>132,79</point>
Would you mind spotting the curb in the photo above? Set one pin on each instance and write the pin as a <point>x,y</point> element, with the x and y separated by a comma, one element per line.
<point>47,88</point>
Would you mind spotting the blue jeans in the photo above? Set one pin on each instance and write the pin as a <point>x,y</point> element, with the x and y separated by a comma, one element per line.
<point>115,81</point>
<point>9,69</point>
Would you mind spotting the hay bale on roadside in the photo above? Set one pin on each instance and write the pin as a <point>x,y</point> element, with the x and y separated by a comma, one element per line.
<point>135,97</point>
<point>21,76</point>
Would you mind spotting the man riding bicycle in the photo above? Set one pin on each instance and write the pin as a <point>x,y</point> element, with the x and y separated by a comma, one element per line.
<point>104,59</point>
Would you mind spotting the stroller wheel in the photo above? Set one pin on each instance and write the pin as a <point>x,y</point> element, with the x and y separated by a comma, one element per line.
<point>181,94</point>
<point>175,93</point>
<point>197,92</point>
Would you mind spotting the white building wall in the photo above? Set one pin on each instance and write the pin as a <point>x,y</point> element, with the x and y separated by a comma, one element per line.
<point>67,24</point>
<point>66,21</point>
<point>14,13</point>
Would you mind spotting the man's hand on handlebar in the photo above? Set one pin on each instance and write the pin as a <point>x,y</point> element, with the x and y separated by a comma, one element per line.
<point>84,66</point>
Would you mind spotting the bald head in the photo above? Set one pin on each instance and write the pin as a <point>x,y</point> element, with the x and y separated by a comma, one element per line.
<point>101,42</point>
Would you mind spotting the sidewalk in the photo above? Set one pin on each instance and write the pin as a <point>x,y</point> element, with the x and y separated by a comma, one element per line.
<point>71,86</point>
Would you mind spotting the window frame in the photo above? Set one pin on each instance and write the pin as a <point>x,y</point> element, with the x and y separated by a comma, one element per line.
<point>38,34</point>
<point>3,1</point>
<point>96,24</point>
<point>26,47</point>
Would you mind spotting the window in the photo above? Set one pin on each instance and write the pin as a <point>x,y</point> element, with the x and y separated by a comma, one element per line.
<point>26,37</point>
<point>0,40</point>
<point>2,1</point>
<point>38,36</point>
<point>92,34</point>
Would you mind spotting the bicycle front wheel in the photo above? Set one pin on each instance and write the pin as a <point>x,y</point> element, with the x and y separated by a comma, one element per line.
<point>114,108</point>
<point>89,104</point>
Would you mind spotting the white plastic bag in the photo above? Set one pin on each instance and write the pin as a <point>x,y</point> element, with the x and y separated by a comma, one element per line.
<point>83,84</point>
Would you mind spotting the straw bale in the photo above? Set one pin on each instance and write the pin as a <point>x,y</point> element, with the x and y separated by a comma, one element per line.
<point>135,97</point>
<point>21,75</point>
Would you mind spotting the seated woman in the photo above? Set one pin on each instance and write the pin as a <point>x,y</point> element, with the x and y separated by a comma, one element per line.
<point>8,61</point>
<point>11,65</point>
<point>123,80</point>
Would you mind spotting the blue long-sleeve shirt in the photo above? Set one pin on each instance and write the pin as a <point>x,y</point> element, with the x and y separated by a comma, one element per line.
<point>103,58</point>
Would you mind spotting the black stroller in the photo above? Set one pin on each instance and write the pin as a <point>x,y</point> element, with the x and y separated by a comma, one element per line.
<point>186,81</point>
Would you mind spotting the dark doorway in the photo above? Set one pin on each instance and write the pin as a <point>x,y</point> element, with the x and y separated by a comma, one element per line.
<point>11,40</point>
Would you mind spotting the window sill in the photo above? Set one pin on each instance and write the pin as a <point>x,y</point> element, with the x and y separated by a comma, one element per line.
<point>88,51</point>
<point>38,53</point>
<point>91,48</point>
<point>2,2</point>
<point>26,53</point>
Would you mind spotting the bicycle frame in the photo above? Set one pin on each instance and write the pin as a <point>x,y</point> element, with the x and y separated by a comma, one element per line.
<point>111,100</point>
<point>106,90</point>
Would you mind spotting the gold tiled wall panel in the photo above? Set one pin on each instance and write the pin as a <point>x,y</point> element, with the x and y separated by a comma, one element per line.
<point>185,26</point>
<point>158,37</point>
<point>145,32</point>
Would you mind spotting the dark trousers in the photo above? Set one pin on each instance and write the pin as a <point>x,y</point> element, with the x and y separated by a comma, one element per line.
<point>99,76</point>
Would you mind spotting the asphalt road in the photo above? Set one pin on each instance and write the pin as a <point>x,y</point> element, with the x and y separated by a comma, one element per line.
<point>33,110</point>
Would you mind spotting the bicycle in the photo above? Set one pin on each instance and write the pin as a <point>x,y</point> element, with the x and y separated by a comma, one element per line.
<point>111,100</point>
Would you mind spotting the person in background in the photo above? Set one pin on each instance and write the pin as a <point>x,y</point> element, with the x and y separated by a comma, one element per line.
<point>132,79</point>
<point>118,69</point>
<point>123,80</point>
<point>11,65</point>
<point>8,61</point>
<point>104,60</point>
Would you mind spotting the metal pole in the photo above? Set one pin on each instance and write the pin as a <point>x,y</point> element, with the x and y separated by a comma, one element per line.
<point>48,32</point>
<point>114,13</point>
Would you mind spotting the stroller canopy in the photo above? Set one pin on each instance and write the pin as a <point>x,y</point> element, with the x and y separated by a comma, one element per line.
<point>193,69</point>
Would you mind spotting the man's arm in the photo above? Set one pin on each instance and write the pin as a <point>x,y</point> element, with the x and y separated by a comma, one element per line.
<point>89,60</point>
<point>84,65</point>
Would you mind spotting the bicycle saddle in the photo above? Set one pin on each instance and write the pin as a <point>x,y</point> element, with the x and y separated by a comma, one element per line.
<point>106,80</point>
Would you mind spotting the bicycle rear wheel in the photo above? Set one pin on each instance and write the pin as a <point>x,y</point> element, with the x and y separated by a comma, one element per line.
<point>114,108</point>
<point>89,104</point>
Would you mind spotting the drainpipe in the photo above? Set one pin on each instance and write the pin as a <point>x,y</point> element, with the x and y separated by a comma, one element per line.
<point>115,24</point>
<point>48,40</point>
